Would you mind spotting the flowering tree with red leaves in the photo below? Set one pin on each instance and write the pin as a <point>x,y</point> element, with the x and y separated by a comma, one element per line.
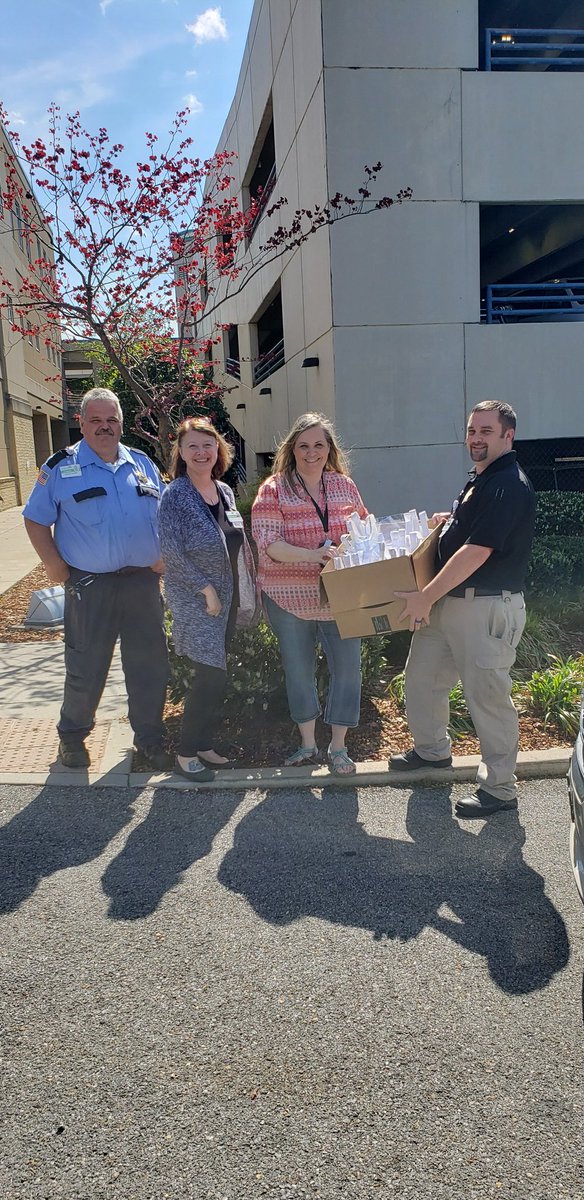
<point>136,259</point>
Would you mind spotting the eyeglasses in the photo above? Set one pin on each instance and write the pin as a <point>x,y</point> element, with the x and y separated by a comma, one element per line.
<point>74,588</point>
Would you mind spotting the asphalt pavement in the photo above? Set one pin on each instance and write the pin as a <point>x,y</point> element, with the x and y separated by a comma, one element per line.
<point>337,993</point>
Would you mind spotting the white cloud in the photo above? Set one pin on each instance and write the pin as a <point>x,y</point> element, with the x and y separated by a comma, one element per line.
<point>208,26</point>
<point>16,118</point>
<point>190,74</point>
<point>103,4</point>
<point>77,79</point>
<point>190,101</point>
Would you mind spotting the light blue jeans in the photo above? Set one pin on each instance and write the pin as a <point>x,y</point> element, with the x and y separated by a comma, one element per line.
<point>298,641</point>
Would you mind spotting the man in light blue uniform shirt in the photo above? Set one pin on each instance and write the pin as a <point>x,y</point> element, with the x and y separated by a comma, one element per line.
<point>101,498</point>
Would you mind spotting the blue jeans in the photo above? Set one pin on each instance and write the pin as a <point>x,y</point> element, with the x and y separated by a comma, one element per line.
<point>298,641</point>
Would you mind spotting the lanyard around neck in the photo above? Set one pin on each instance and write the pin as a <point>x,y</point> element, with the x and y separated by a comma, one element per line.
<point>323,516</point>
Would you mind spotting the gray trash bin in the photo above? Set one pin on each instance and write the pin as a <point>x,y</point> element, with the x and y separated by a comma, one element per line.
<point>46,608</point>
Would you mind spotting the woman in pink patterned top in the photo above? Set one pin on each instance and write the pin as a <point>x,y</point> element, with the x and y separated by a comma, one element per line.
<point>300,512</point>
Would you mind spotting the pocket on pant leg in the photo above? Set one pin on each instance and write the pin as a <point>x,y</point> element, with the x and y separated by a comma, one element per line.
<point>498,644</point>
<point>76,625</point>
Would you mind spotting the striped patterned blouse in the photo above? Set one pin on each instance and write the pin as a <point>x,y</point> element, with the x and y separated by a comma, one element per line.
<point>282,514</point>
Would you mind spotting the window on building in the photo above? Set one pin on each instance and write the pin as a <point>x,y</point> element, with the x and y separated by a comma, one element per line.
<point>10,310</point>
<point>17,224</point>
<point>226,242</point>
<point>532,262</point>
<point>270,339</point>
<point>37,341</point>
<point>232,363</point>
<point>531,35</point>
<point>261,177</point>
<point>553,465</point>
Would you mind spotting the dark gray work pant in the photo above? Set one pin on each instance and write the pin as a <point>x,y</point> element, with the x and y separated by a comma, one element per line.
<point>129,607</point>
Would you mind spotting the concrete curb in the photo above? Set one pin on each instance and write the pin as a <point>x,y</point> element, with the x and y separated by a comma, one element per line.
<point>116,772</point>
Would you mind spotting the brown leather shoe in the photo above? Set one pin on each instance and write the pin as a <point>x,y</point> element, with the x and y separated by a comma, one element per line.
<point>74,755</point>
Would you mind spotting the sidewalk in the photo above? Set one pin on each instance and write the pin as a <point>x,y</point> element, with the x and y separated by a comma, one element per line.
<point>32,678</point>
<point>17,557</point>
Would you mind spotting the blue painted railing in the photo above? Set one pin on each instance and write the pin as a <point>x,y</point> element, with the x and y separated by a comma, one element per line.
<point>269,362</point>
<point>506,302</point>
<point>555,49</point>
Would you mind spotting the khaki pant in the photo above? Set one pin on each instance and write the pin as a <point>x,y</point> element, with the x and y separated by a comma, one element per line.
<point>472,640</point>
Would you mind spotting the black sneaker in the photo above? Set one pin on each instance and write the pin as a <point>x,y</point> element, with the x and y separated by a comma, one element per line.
<point>482,804</point>
<point>196,774</point>
<point>410,760</point>
<point>74,755</point>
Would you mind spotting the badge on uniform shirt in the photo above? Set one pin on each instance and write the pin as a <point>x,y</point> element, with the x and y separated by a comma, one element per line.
<point>69,469</point>
<point>234,517</point>
<point>141,475</point>
<point>43,476</point>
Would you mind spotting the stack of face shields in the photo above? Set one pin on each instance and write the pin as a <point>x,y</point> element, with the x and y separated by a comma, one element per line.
<point>372,540</point>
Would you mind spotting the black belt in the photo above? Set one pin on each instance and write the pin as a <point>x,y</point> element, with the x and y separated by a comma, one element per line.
<point>122,571</point>
<point>461,591</point>
<point>127,571</point>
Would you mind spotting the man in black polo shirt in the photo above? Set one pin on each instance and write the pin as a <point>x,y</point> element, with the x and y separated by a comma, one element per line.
<point>468,621</point>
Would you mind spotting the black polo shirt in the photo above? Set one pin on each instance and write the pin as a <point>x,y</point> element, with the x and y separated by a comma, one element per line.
<point>495,509</point>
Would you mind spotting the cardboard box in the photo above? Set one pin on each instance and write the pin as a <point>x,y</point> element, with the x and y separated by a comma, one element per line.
<point>361,598</point>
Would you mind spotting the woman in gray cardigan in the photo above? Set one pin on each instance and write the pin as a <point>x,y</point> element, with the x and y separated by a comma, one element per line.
<point>201,537</point>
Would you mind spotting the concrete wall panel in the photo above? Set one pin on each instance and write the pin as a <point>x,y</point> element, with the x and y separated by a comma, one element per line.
<point>422,477</point>
<point>283,104</point>
<point>400,33</point>
<point>537,368</point>
<point>307,50</point>
<point>523,136</point>
<point>407,120</point>
<point>279,26</point>
<point>260,65</point>
<point>408,379</point>
<point>413,264</point>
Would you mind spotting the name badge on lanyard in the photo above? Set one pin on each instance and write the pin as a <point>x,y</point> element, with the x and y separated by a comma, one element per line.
<point>234,517</point>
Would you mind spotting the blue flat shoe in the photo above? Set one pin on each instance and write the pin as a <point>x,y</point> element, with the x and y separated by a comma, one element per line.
<point>303,756</point>
<point>339,762</point>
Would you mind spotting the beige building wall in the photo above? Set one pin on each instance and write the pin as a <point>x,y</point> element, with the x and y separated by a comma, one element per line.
<point>32,420</point>
<point>390,303</point>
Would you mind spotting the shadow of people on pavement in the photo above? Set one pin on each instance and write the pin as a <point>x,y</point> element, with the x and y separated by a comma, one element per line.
<point>179,829</point>
<point>62,827</point>
<point>298,855</point>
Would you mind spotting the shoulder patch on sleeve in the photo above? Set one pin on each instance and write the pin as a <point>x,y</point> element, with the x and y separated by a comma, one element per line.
<point>57,458</point>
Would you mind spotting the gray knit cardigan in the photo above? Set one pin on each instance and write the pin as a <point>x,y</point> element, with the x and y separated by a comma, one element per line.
<point>195,555</point>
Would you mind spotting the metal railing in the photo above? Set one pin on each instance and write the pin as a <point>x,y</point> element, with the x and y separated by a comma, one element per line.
<point>240,470</point>
<point>269,362</point>
<point>561,301</point>
<point>552,49</point>
<point>262,201</point>
<point>233,367</point>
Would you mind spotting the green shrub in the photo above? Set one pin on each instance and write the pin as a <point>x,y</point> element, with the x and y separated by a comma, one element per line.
<point>254,666</point>
<point>256,678</point>
<point>556,563</point>
<point>460,723</point>
<point>554,694</point>
<point>541,638</point>
<point>557,559</point>
<point>559,513</point>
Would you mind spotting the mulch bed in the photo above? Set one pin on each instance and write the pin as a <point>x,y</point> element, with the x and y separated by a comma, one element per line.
<point>256,740</point>
<point>14,607</point>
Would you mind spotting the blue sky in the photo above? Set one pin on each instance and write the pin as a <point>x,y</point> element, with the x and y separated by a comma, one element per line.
<point>126,64</point>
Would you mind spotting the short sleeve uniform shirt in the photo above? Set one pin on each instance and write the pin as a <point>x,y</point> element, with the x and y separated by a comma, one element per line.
<point>494,509</point>
<point>104,514</point>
